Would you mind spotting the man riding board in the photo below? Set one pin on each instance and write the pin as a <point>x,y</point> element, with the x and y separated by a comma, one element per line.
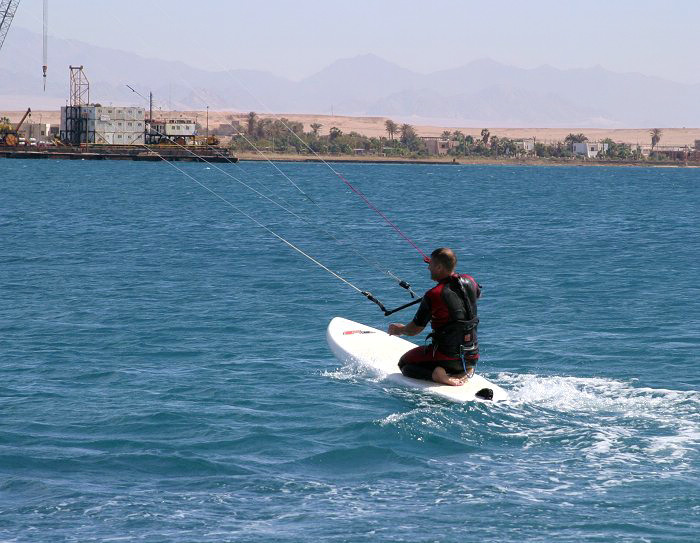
<point>450,307</point>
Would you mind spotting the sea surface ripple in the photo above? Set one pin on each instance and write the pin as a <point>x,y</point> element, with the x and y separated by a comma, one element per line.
<point>164,374</point>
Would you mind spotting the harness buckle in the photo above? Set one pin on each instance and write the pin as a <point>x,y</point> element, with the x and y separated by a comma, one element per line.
<point>469,365</point>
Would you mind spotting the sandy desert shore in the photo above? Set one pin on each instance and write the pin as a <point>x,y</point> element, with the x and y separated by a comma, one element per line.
<point>374,127</point>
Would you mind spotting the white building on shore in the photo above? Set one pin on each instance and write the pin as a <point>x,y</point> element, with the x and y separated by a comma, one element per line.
<point>590,149</point>
<point>527,145</point>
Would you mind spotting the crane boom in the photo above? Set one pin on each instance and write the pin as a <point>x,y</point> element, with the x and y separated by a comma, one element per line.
<point>7,13</point>
<point>46,40</point>
<point>27,114</point>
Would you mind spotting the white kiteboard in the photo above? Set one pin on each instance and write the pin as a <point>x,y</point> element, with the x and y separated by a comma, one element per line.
<point>352,342</point>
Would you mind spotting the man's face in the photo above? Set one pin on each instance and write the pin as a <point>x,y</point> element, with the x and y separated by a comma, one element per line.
<point>437,271</point>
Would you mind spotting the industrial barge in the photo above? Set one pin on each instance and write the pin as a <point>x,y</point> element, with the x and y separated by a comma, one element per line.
<point>109,152</point>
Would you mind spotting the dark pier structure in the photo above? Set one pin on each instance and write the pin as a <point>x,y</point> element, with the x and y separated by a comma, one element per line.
<point>105,152</point>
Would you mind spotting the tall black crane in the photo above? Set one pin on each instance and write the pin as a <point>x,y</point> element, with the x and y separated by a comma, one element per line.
<point>46,40</point>
<point>7,13</point>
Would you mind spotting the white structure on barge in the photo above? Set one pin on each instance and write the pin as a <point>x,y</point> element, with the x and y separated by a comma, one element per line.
<point>103,125</point>
<point>178,131</point>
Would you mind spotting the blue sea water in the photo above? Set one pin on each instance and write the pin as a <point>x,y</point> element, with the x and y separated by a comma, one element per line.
<point>164,374</point>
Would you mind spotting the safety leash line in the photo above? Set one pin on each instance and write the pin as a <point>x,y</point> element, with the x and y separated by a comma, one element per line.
<point>375,265</point>
<point>371,205</point>
<point>338,174</point>
<point>387,272</point>
<point>239,133</point>
<point>365,293</point>
<point>261,225</point>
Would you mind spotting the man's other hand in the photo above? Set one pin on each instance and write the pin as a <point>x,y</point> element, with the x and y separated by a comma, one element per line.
<point>396,329</point>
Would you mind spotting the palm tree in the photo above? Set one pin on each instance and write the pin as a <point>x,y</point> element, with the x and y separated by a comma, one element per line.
<point>458,136</point>
<point>335,133</point>
<point>408,133</point>
<point>391,128</point>
<point>655,134</point>
<point>315,127</point>
<point>494,144</point>
<point>263,128</point>
<point>446,135</point>
<point>252,119</point>
<point>574,138</point>
<point>485,134</point>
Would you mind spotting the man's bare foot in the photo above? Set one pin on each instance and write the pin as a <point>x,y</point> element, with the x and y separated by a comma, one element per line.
<point>440,376</point>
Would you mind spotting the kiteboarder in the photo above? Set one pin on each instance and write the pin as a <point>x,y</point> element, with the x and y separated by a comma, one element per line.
<point>450,308</point>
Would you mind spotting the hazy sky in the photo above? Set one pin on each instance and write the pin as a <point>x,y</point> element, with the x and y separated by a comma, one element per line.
<point>295,38</point>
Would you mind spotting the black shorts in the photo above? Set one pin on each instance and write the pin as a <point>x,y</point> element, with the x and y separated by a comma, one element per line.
<point>419,363</point>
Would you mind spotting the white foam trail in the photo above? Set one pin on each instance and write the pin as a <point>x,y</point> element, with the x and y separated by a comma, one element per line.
<point>594,394</point>
<point>610,421</point>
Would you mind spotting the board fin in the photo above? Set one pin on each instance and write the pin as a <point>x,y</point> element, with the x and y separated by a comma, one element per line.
<point>485,394</point>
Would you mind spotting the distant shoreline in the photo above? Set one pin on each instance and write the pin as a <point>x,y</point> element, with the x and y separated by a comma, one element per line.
<point>464,161</point>
<point>374,127</point>
<point>341,159</point>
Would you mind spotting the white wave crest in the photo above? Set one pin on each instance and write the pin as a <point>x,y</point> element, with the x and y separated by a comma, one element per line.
<point>607,420</point>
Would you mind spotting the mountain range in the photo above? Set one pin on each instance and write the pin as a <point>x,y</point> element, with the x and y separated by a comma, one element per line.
<point>480,93</point>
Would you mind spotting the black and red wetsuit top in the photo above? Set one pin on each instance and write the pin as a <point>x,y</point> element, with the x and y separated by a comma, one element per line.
<point>450,307</point>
